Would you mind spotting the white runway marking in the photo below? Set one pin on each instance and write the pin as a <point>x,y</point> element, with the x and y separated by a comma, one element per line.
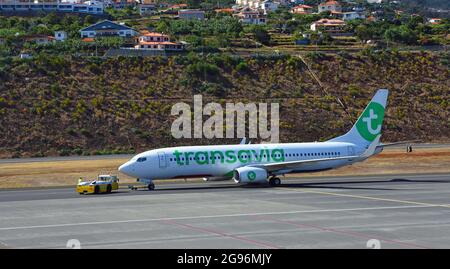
<point>214,216</point>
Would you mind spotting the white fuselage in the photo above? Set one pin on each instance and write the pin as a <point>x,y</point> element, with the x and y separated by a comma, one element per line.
<point>222,160</point>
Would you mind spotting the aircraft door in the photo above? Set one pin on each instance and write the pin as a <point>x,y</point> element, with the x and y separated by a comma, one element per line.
<point>351,151</point>
<point>162,159</point>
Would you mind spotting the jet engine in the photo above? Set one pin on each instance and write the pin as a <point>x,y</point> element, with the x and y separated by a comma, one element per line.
<point>250,175</point>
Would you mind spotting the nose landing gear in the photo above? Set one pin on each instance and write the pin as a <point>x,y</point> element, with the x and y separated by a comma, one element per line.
<point>145,183</point>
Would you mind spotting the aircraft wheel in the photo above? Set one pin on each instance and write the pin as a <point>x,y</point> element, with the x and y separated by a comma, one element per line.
<point>109,189</point>
<point>275,181</point>
<point>151,186</point>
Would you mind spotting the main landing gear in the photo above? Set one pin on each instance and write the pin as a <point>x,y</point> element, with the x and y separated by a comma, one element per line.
<point>274,181</point>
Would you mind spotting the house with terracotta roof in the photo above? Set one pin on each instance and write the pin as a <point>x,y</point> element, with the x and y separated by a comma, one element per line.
<point>250,16</point>
<point>302,9</point>
<point>330,6</point>
<point>330,26</point>
<point>157,41</point>
<point>224,10</point>
<point>435,21</point>
<point>178,6</point>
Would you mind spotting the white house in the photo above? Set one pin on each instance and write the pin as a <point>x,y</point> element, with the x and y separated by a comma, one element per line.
<point>332,6</point>
<point>302,9</point>
<point>157,41</point>
<point>60,35</point>
<point>328,25</point>
<point>347,16</point>
<point>435,20</point>
<point>268,6</point>
<point>250,16</point>
<point>107,28</point>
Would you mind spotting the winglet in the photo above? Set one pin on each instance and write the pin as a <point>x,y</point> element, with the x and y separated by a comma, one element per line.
<point>372,147</point>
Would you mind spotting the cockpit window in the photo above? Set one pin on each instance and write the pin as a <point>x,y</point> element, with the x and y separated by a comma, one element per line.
<point>141,159</point>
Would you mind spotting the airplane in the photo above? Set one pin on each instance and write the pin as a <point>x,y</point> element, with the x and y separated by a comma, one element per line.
<point>264,163</point>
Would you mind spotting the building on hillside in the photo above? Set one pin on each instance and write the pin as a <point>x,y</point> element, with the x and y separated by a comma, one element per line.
<point>147,9</point>
<point>331,26</point>
<point>347,16</point>
<point>251,16</point>
<point>157,41</point>
<point>121,4</point>
<point>60,35</point>
<point>191,14</point>
<point>177,6</point>
<point>39,39</point>
<point>107,28</point>
<point>435,21</point>
<point>330,6</point>
<point>268,6</point>
<point>89,7</point>
<point>302,9</point>
<point>224,10</point>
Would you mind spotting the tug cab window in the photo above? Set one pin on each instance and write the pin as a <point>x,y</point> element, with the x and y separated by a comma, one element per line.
<point>141,159</point>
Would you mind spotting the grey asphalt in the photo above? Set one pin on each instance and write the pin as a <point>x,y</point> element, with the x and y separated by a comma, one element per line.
<point>396,211</point>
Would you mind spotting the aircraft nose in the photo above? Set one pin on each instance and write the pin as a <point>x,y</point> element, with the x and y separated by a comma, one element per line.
<point>125,168</point>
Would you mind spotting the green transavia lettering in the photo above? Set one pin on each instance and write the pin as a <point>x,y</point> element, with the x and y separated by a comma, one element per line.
<point>228,156</point>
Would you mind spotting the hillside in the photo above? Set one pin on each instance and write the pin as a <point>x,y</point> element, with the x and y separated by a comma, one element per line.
<point>64,106</point>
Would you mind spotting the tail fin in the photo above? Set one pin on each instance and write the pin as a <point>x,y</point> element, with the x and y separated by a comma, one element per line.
<point>368,126</point>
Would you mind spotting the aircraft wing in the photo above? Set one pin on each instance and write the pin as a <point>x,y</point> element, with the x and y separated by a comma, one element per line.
<point>302,163</point>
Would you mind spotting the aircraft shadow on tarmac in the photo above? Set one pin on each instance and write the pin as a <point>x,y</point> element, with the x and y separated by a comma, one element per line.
<point>331,185</point>
<point>316,185</point>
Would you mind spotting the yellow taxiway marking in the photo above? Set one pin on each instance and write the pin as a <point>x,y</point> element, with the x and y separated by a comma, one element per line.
<point>367,197</point>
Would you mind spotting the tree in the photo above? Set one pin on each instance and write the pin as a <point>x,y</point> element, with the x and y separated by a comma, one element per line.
<point>363,32</point>
<point>193,3</point>
<point>401,34</point>
<point>260,34</point>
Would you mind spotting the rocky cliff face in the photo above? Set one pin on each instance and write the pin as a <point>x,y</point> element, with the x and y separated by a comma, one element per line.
<point>65,106</point>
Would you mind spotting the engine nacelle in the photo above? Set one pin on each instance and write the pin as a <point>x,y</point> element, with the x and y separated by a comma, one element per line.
<point>216,178</point>
<point>250,175</point>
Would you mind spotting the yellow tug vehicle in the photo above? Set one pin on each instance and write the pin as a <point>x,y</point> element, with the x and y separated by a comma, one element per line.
<point>103,184</point>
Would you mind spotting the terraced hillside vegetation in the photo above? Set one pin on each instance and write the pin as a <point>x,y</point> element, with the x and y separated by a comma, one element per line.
<point>51,105</point>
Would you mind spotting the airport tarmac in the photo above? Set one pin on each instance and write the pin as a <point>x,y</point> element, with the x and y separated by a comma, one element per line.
<point>398,211</point>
